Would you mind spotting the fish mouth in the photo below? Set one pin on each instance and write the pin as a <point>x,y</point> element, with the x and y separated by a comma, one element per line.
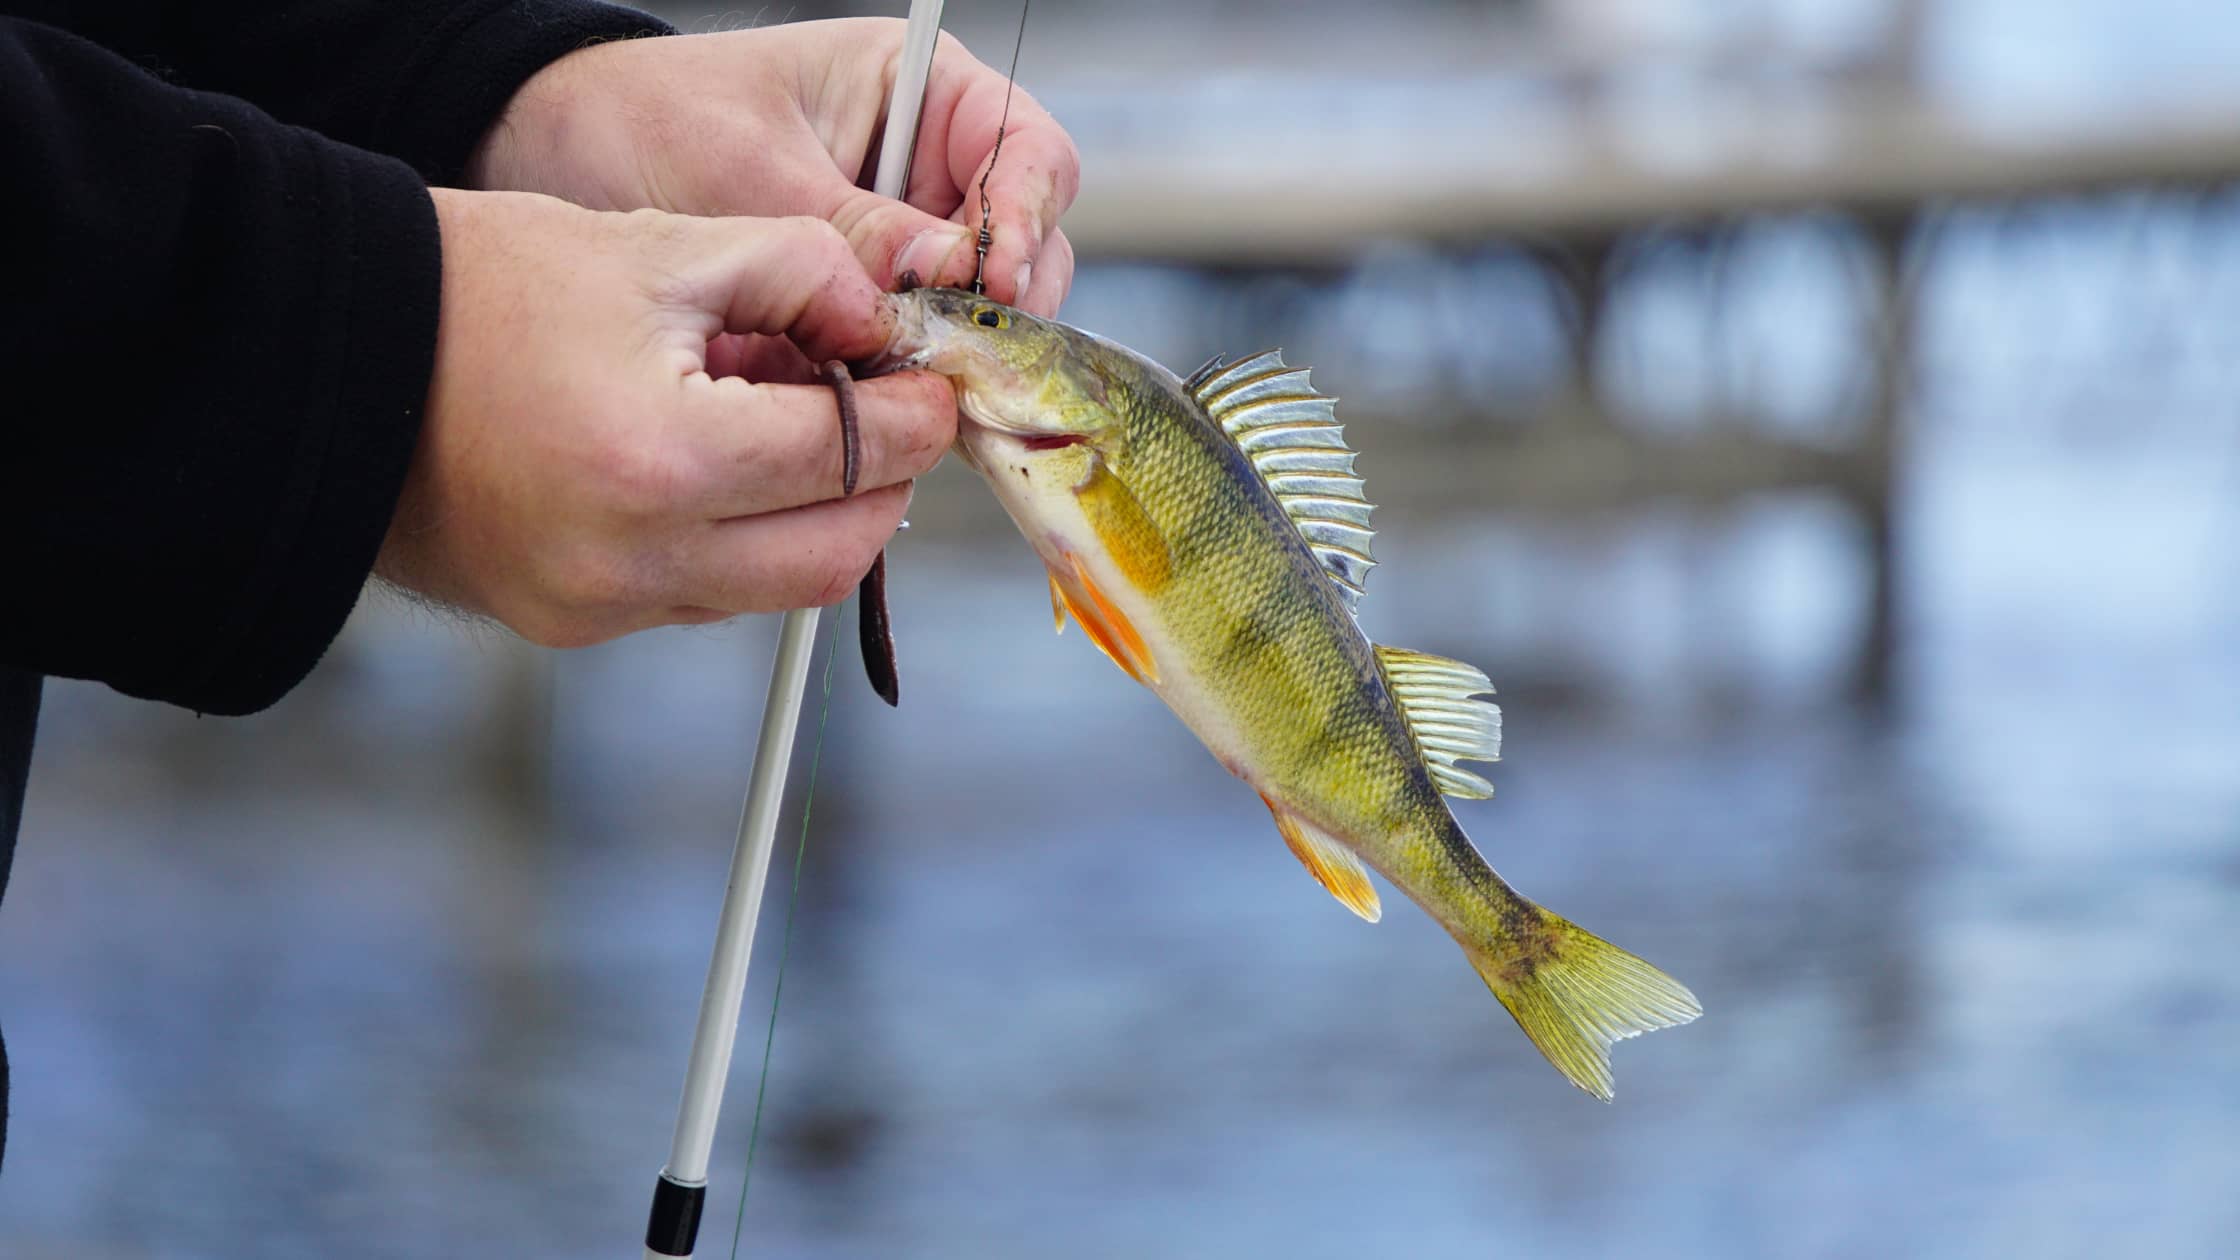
<point>989,387</point>
<point>909,345</point>
<point>898,356</point>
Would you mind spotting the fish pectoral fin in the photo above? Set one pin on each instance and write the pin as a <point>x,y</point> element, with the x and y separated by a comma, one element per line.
<point>1105,624</point>
<point>1127,531</point>
<point>1435,698</point>
<point>1332,864</point>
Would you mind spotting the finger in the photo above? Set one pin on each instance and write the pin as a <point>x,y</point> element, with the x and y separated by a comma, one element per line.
<point>759,358</point>
<point>1018,230</point>
<point>890,238</point>
<point>803,558</point>
<point>1031,180</point>
<point>763,448</point>
<point>797,277</point>
<point>966,102</point>
<point>1053,278</point>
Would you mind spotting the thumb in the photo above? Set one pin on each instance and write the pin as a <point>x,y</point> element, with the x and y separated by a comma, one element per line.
<point>890,238</point>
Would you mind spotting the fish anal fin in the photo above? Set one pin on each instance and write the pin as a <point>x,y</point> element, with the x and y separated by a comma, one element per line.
<point>1437,699</point>
<point>1332,864</point>
<point>1106,625</point>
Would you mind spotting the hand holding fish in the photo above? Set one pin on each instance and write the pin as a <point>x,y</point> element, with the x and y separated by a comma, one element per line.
<point>786,120</point>
<point>595,459</point>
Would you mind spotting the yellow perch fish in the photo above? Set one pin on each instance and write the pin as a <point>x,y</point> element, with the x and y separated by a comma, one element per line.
<point>1210,537</point>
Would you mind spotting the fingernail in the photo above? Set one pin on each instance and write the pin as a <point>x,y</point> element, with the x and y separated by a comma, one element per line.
<point>926,253</point>
<point>1019,281</point>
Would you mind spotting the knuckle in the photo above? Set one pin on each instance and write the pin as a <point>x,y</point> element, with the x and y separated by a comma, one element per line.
<point>1069,174</point>
<point>815,236</point>
<point>643,483</point>
<point>1066,171</point>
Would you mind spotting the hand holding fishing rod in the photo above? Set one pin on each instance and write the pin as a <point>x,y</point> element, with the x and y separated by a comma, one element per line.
<point>597,526</point>
<point>783,120</point>
<point>788,120</point>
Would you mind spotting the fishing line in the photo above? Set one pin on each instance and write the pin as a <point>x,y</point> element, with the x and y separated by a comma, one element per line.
<point>1011,82</point>
<point>785,947</point>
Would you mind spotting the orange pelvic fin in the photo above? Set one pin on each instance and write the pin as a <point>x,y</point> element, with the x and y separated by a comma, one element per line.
<point>1332,864</point>
<point>1106,625</point>
<point>1057,606</point>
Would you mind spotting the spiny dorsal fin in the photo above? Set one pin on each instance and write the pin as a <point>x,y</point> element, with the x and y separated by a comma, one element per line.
<point>1291,435</point>
<point>1434,696</point>
<point>1203,374</point>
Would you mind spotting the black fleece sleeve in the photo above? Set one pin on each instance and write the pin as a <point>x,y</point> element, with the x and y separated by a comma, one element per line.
<point>418,79</point>
<point>216,337</point>
<point>217,329</point>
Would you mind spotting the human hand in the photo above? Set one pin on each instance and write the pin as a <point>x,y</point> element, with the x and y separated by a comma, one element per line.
<point>783,121</point>
<point>618,435</point>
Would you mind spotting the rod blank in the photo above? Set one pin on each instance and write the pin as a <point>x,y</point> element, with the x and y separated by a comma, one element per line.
<point>673,1224</point>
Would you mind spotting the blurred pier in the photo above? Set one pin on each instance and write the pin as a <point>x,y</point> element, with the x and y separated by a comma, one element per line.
<point>1276,196</point>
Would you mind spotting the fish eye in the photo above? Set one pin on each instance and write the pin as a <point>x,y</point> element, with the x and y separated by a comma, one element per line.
<point>990,317</point>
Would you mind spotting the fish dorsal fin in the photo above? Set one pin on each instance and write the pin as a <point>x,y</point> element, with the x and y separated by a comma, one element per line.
<point>1332,864</point>
<point>1291,435</point>
<point>1434,695</point>
<point>1205,372</point>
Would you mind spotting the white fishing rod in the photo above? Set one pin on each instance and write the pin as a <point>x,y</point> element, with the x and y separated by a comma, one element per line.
<point>673,1224</point>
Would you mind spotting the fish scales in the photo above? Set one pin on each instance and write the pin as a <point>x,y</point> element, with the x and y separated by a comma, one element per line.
<point>1208,535</point>
<point>1310,704</point>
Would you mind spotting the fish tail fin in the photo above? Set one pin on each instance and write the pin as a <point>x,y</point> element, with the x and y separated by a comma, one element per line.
<point>1572,992</point>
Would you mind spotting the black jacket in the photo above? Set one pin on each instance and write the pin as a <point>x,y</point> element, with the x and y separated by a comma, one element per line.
<point>218,299</point>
